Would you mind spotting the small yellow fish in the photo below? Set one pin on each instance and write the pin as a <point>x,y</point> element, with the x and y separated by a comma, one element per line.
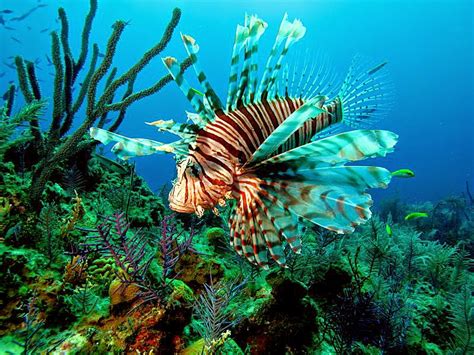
<point>416,215</point>
<point>404,173</point>
<point>388,229</point>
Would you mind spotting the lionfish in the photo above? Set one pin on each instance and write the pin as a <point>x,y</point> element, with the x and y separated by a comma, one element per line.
<point>267,148</point>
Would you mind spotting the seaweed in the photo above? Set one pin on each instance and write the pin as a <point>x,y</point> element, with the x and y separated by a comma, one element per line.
<point>73,180</point>
<point>83,301</point>
<point>10,135</point>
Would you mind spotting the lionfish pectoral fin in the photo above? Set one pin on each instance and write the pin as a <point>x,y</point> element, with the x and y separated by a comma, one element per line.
<point>333,198</point>
<point>290,125</point>
<point>256,231</point>
<point>366,93</point>
<point>126,148</point>
<point>331,151</point>
<point>311,181</point>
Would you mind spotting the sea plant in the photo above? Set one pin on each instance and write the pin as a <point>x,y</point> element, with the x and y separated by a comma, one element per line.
<point>172,246</point>
<point>211,309</point>
<point>50,240</point>
<point>30,336</point>
<point>53,147</point>
<point>462,319</point>
<point>130,251</point>
<point>9,124</point>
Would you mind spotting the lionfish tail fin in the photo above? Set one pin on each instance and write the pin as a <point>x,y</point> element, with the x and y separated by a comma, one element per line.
<point>366,93</point>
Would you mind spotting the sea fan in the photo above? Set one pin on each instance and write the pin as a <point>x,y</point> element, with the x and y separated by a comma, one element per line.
<point>172,247</point>
<point>211,309</point>
<point>462,320</point>
<point>31,335</point>
<point>130,252</point>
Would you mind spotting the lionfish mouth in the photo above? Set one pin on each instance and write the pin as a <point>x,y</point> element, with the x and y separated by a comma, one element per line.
<point>181,207</point>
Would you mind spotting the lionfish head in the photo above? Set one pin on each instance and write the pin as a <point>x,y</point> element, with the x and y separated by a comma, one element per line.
<point>192,193</point>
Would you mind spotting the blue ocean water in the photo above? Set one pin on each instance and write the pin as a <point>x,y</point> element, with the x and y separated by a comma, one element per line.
<point>429,46</point>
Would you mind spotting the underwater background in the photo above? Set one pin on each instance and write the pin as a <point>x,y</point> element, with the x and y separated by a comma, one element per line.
<point>95,262</point>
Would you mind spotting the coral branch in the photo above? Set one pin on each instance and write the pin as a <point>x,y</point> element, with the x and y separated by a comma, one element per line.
<point>85,37</point>
<point>10,100</point>
<point>30,68</point>
<point>58,85</point>
<point>85,85</point>
<point>65,108</point>
<point>23,79</point>
<point>146,92</point>
<point>118,28</point>
<point>147,57</point>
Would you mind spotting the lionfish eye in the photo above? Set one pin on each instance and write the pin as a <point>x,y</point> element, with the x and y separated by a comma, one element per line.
<point>194,169</point>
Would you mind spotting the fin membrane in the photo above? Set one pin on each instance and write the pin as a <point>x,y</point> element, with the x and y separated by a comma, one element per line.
<point>126,148</point>
<point>366,93</point>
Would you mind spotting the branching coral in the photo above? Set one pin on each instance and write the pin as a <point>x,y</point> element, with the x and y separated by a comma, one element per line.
<point>129,250</point>
<point>53,146</point>
<point>171,248</point>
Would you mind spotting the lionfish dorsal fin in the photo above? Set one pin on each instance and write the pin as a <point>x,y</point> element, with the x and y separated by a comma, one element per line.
<point>192,48</point>
<point>290,125</point>
<point>366,93</point>
<point>257,27</point>
<point>288,34</point>
<point>173,67</point>
<point>241,36</point>
<point>183,130</point>
<point>248,77</point>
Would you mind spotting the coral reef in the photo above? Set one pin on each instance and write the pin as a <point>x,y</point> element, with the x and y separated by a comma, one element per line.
<point>93,262</point>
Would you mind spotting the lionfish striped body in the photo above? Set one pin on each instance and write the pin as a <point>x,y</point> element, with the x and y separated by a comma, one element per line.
<point>265,149</point>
